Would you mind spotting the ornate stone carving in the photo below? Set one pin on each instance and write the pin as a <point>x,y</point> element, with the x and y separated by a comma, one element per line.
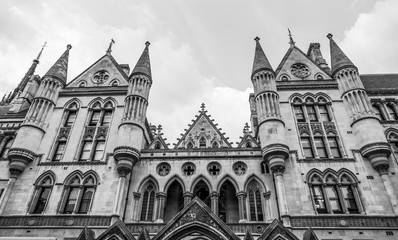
<point>278,169</point>
<point>239,168</point>
<point>275,149</point>
<point>214,168</point>
<point>382,168</point>
<point>123,171</point>
<point>188,169</point>
<point>163,169</point>
<point>300,70</point>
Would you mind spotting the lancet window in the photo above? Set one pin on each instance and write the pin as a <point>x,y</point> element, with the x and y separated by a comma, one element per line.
<point>78,194</point>
<point>148,202</point>
<point>42,194</point>
<point>334,193</point>
<point>318,134</point>
<point>255,202</point>
<point>92,147</point>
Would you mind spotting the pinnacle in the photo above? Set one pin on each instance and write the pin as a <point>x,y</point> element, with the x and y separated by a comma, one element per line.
<point>260,60</point>
<point>338,58</point>
<point>143,65</point>
<point>60,68</point>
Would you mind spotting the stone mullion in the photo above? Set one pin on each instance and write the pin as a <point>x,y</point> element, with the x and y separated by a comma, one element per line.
<point>242,206</point>
<point>135,209</point>
<point>214,202</point>
<point>161,197</point>
<point>341,199</point>
<point>395,107</point>
<point>326,199</point>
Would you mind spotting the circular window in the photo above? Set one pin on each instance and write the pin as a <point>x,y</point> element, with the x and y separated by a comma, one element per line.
<point>163,169</point>
<point>214,168</point>
<point>239,168</point>
<point>100,76</point>
<point>300,70</point>
<point>188,169</point>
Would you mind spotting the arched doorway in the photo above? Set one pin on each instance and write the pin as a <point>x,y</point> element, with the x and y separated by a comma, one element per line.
<point>174,201</point>
<point>201,190</point>
<point>228,206</point>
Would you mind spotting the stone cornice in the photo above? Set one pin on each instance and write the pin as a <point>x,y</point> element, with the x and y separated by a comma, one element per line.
<point>93,91</point>
<point>306,84</point>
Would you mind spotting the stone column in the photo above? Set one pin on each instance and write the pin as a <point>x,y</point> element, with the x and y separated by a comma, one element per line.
<point>267,197</point>
<point>135,210</point>
<point>280,189</point>
<point>161,196</point>
<point>383,171</point>
<point>120,195</point>
<point>242,206</point>
<point>358,198</point>
<point>214,202</point>
<point>10,187</point>
<point>187,198</point>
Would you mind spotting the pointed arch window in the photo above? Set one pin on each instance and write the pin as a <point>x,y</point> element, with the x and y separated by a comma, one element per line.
<point>391,112</point>
<point>78,195</point>
<point>148,202</point>
<point>393,140</point>
<point>202,142</point>
<point>42,195</point>
<point>379,113</point>
<point>59,149</point>
<point>334,146</point>
<point>190,145</point>
<point>255,202</point>
<point>71,114</point>
<point>307,146</point>
<point>320,145</point>
<point>335,196</point>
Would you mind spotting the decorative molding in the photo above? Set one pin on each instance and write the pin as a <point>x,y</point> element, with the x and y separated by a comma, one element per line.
<point>343,221</point>
<point>58,220</point>
<point>326,160</point>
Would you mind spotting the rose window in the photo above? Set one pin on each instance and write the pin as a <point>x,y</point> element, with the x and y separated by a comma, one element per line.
<point>188,169</point>
<point>239,168</point>
<point>100,76</point>
<point>163,169</point>
<point>214,168</point>
<point>300,70</point>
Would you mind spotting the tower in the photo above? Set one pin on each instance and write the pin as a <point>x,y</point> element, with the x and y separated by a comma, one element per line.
<point>131,134</point>
<point>27,142</point>
<point>271,128</point>
<point>366,126</point>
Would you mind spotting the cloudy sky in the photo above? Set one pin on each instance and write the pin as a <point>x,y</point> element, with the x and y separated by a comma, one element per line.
<point>201,51</point>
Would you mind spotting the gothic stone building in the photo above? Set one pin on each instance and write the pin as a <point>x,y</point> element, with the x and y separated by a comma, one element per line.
<point>79,159</point>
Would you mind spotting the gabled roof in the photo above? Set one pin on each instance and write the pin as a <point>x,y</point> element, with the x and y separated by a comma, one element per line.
<point>300,57</point>
<point>275,229</point>
<point>309,234</point>
<point>106,62</point>
<point>158,138</point>
<point>203,126</point>
<point>247,137</point>
<point>117,229</point>
<point>86,234</point>
<point>196,217</point>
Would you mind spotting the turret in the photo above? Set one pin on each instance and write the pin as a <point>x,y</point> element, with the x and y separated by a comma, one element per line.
<point>27,142</point>
<point>271,128</point>
<point>366,126</point>
<point>131,130</point>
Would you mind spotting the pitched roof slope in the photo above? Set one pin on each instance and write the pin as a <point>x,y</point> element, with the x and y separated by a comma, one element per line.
<point>60,68</point>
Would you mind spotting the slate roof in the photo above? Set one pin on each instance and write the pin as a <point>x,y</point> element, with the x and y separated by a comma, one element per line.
<point>380,82</point>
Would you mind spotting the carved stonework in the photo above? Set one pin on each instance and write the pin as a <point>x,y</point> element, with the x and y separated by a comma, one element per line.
<point>382,169</point>
<point>278,169</point>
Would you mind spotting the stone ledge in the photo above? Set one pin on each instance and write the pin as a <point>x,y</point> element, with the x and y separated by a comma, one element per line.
<point>59,220</point>
<point>72,163</point>
<point>344,221</point>
<point>325,160</point>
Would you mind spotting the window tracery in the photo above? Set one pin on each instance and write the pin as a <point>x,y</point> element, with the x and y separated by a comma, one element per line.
<point>255,202</point>
<point>188,169</point>
<point>163,169</point>
<point>239,168</point>
<point>214,168</point>
<point>148,203</point>
<point>300,70</point>
<point>42,194</point>
<point>100,76</point>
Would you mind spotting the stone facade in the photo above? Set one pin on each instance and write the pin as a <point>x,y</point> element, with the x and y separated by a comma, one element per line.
<point>80,161</point>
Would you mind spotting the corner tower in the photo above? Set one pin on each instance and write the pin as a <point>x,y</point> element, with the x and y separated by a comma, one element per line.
<point>131,131</point>
<point>271,128</point>
<point>366,126</point>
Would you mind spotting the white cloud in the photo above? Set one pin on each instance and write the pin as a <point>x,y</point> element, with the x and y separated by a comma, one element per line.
<point>371,43</point>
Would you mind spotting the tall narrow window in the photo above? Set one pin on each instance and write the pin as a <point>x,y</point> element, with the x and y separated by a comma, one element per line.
<point>334,147</point>
<point>333,195</point>
<point>347,189</point>
<point>148,202</point>
<point>307,148</point>
<point>95,117</point>
<point>70,118</point>
<point>391,113</point>
<point>6,148</point>
<point>378,112</point>
<point>106,120</point>
<point>43,190</point>
<point>87,195</point>
<point>59,150</point>
<point>298,111</point>
<point>393,140</point>
<point>323,113</point>
<point>86,150</point>
<point>311,113</point>
<point>72,195</point>
<point>99,150</point>
<point>320,147</point>
<point>255,203</point>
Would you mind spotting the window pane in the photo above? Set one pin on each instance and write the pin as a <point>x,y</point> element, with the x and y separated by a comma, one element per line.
<point>305,141</point>
<point>86,200</point>
<point>107,118</point>
<point>320,147</point>
<point>349,199</point>
<point>94,118</point>
<point>99,150</point>
<point>259,207</point>
<point>71,201</point>
<point>333,199</point>
<point>391,112</point>
<point>6,148</point>
<point>334,147</point>
<point>311,113</point>
<point>252,206</point>
<point>319,199</point>
<point>298,111</point>
<point>85,155</point>
<point>323,112</point>
<point>59,151</point>
<point>70,119</point>
<point>42,200</point>
<point>144,206</point>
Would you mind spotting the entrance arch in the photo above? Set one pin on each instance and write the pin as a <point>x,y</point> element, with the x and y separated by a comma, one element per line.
<point>196,231</point>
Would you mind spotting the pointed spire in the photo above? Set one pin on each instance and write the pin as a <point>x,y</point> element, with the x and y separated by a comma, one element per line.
<point>291,41</point>
<point>202,108</point>
<point>41,51</point>
<point>60,69</point>
<point>143,65</point>
<point>260,60</point>
<point>338,59</point>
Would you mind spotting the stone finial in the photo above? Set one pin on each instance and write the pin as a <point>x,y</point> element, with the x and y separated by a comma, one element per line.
<point>246,129</point>
<point>69,47</point>
<point>202,107</point>
<point>330,36</point>
<point>291,41</point>
<point>147,43</point>
<point>110,46</point>
<point>41,51</point>
<point>256,39</point>
<point>159,130</point>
